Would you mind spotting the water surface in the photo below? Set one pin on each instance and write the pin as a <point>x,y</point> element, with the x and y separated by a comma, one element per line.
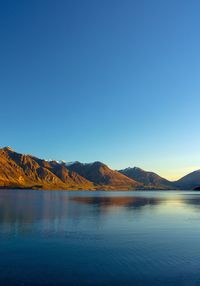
<point>99,238</point>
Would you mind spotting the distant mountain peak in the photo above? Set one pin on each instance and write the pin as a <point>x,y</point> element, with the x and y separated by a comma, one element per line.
<point>8,148</point>
<point>133,169</point>
<point>137,168</point>
<point>149,179</point>
<point>94,164</point>
<point>97,163</point>
<point>71,163</point>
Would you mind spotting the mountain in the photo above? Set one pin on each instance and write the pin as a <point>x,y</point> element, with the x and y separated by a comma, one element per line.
<point>149,179</point>
<point>26,171</point>
<point>189,182</point>
<point>102,175</point>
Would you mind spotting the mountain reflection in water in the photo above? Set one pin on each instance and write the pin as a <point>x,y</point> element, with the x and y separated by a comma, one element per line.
<point>29,207</point>
<point>137,202</point>
<point>108,202</point>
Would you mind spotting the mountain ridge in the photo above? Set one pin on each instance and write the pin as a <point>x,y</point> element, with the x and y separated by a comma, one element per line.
<point>100,174</point>
<point>27,171</point>
<point>150,180</point>
<point>189,181</point>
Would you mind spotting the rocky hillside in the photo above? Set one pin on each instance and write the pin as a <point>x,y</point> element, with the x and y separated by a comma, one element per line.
<point>25,171</point>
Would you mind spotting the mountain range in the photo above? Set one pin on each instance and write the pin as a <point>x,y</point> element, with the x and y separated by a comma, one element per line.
<point>27,171</point>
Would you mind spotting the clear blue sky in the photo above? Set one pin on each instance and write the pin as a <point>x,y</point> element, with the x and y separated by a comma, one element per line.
<point>115,81</point>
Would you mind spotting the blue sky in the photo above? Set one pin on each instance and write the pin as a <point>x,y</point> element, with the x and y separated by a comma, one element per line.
<point>108,80</point>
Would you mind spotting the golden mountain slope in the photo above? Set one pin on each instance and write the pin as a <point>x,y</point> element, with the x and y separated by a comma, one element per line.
<point>25,171</point>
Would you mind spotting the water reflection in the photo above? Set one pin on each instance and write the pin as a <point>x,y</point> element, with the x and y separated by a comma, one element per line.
<point>111,202</point>
<point>23,211</point>
<point>139,202</point>
<point>53,238</point>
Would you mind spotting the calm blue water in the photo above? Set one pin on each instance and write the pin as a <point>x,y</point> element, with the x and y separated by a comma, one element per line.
<point>99,238</point>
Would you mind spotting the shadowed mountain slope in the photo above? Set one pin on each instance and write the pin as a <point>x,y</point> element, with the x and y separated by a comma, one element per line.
<point>190,181</point>
<point>149,179</point>
<point>102,175</point>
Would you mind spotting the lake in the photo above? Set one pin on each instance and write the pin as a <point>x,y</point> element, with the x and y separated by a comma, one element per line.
<point>99,238</point>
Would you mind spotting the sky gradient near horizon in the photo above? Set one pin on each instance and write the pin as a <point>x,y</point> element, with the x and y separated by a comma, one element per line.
<point>107,80</point>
